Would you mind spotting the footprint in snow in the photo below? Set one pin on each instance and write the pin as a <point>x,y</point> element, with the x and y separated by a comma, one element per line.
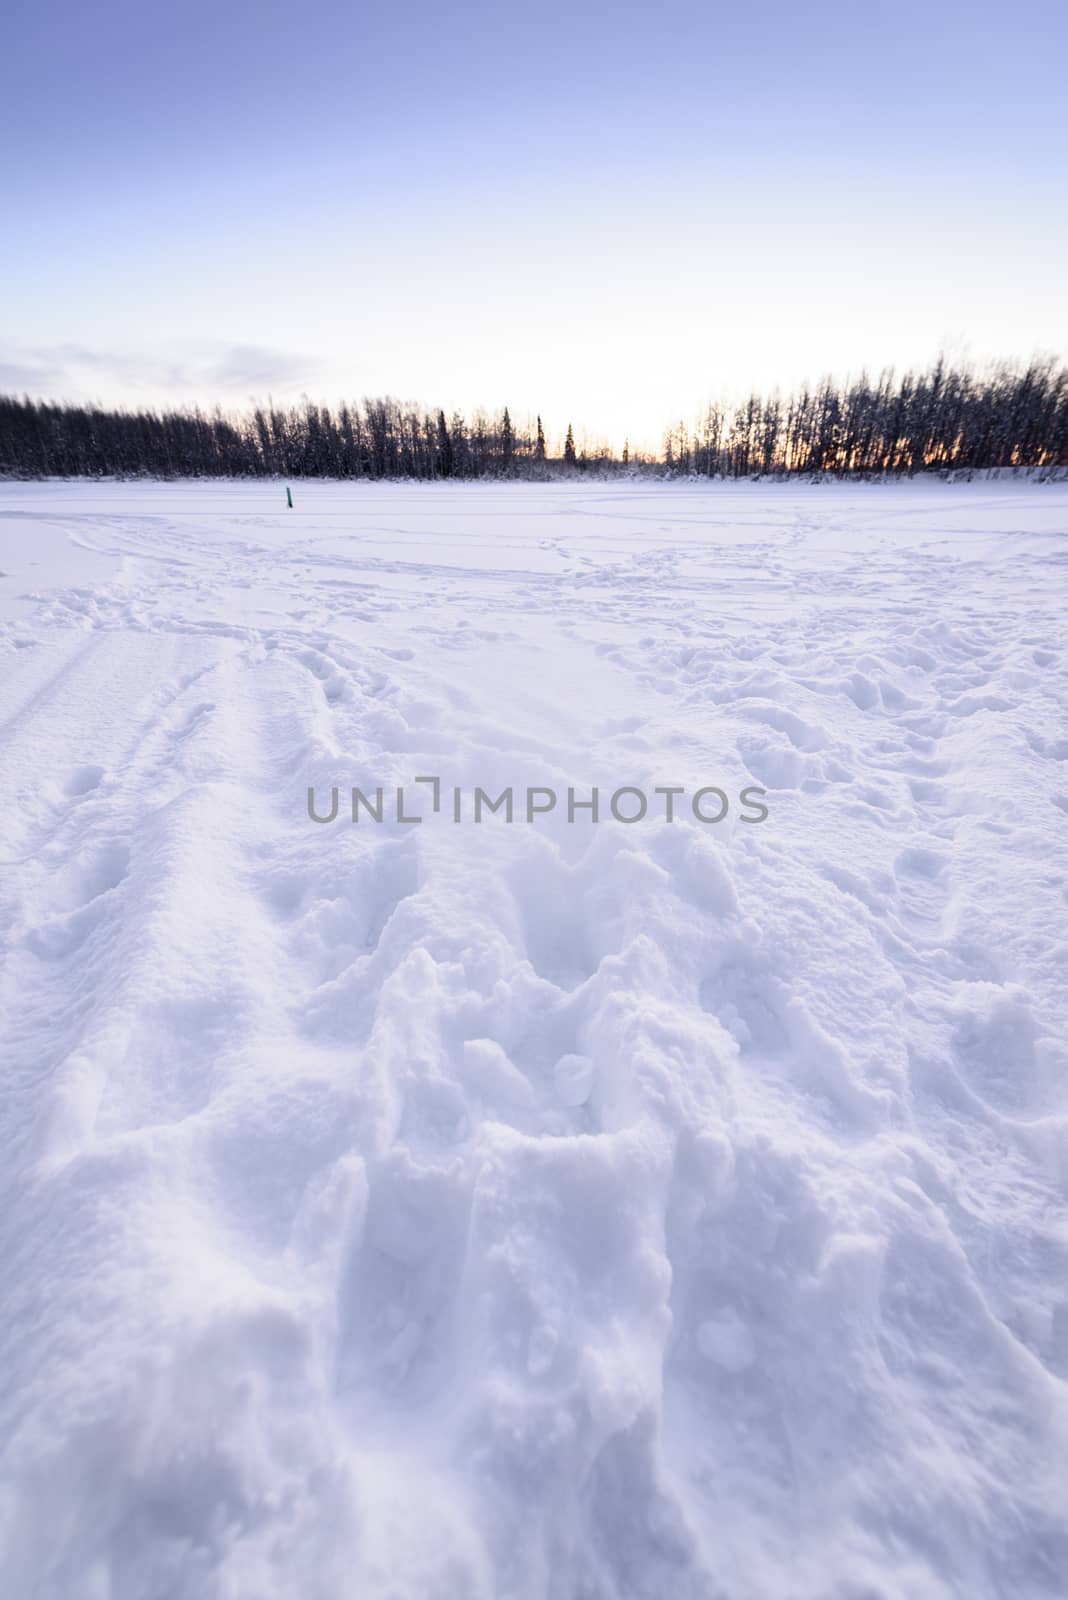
<point>82,781</point>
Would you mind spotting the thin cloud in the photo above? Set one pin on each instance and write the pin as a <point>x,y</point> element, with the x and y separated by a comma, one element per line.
<point>250,366</point>
<point>205,374</point>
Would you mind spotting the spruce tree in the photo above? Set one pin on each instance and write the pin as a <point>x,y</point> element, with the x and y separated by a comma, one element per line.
<point>444,447</point>
<point>539,446</point>
<point>569,447</point>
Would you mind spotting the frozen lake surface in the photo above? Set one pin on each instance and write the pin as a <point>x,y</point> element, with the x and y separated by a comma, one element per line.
<point>556,1209</point>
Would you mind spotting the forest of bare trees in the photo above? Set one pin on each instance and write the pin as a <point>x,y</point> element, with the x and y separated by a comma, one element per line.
<point>947,418</point>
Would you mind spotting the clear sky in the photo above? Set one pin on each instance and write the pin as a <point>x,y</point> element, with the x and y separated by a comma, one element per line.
<point>605,213</point>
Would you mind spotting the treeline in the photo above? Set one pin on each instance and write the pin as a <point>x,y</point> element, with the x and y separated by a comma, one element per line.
<point>375,439</point>
<point>948,418</point>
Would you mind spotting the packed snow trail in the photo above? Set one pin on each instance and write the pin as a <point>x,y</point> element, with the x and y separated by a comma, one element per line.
<point>555,1209</point>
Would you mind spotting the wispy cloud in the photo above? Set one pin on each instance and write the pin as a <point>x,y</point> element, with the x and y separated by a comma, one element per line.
<point>200,373</point>
<point>256,367</point>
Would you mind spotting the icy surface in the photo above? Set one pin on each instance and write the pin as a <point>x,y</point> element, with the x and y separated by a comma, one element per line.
<point>534,1210</point>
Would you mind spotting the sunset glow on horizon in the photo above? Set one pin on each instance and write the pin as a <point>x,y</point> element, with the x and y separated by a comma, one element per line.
<point>604,219</point>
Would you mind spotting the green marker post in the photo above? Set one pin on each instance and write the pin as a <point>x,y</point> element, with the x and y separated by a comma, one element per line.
<point>289,497</point>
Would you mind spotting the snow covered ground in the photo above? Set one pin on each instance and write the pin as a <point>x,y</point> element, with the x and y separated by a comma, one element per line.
<point>545,1209</point>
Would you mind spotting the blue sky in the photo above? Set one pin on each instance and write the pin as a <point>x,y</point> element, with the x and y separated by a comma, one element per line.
<point>608,214</point>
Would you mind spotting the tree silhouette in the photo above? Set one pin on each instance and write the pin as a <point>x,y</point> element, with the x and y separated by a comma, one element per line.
<point>946,419</point>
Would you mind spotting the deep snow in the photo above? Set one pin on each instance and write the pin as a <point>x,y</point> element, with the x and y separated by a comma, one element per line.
<point>534,1210</point>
